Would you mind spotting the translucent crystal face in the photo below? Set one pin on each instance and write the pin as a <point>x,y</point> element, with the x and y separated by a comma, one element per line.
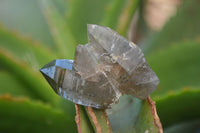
<point>104,69</point>
<point>70,85</point>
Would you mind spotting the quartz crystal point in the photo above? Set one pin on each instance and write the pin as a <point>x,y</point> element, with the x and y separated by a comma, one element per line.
<point>70,85</point>
<point>104,69</point>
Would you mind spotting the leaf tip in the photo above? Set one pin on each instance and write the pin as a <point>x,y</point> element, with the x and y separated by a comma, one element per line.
<point>156,119</point>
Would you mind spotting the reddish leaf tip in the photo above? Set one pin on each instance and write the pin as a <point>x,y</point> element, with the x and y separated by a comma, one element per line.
<point>155,115</point>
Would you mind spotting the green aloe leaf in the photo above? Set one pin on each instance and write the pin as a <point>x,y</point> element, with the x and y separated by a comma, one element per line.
<point>89,119</point>
<point>34,83</point>
<point>29,51</point>
<point>124,114</point>
<point>185,127</point>
<point>11,85</point>
<point>27,76</point>
<point>81,13</point>
<point>181,65</point>
<point>177,107</point>
<point>65,42</point>
<point>119,14</point>
<point>61,6</point>
<point>22,115</point>
<point>116,14</point>
<point>148,120</point>
<point>183,26</point>
<point>126,16</point>
<point>113,10</point>
<point>134,115</point>
<point>176,66</point>
<point>26,18</point>
<point>99,120</point>
<point>82,120</point>
<point>174,56</point>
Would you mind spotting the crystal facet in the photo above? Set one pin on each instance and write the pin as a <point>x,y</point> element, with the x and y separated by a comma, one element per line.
<point>104,69</point>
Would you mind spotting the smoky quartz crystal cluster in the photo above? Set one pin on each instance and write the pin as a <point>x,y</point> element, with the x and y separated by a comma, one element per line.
<point>103,70</point>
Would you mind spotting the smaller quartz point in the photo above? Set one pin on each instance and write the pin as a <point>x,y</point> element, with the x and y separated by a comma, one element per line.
<point>70,85</point>
<point>103,70</point>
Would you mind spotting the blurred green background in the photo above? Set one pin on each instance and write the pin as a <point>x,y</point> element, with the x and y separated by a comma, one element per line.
<point>32,33</point>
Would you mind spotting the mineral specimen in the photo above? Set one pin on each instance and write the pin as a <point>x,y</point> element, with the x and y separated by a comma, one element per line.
<point>104,69</point>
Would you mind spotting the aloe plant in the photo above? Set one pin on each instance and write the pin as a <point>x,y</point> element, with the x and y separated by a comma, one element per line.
<point>28,104</point>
